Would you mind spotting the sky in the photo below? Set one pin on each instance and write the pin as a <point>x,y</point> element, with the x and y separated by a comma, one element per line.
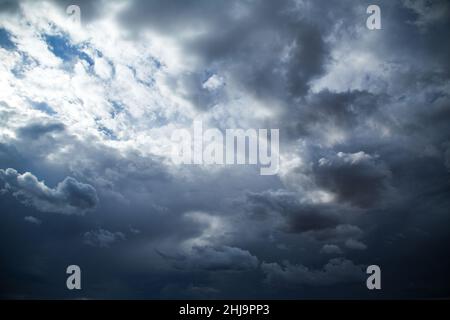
<point>86,178</point>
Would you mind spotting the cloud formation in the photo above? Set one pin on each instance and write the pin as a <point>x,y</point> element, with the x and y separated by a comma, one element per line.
<point>32,220</point>
<point>364,148</point>
<point>358,178</point>
<point>335,271</point>
<point>215,258</point>
<point>68,197</point>
<point>102,238</point>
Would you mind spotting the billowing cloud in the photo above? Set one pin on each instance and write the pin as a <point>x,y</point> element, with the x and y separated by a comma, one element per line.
<point>68,197</point>
<point>298,217</point>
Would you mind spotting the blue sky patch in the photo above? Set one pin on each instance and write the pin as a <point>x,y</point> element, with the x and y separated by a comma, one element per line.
<point>44,107</point>
<point>62,48</point>
<point>107,132</point>
<point>117,108</point>
<point>5,40</point>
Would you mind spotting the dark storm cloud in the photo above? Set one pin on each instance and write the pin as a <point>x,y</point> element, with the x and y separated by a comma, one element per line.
<point>10,157</point>
<point>210,258</point>
<point>325,109</point>
<point>306,61</point>
<point>310,218</point>
<point>388,172</point>
<point>299,217</point>
<point>447,156</point>
<point>266,46</point>
<point>328,224</point>
<point>99,165</point>
<point>193,86</point>
<point>339,234</point>
<point>68,197</point>
<point>331,249</point>
<point>35,141</point>
<point>357,178</point>
<point>335,271</point>
<point>102,238</point>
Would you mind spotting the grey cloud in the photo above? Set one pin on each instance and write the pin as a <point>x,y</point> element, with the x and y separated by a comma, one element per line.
<point>260,45</point>
<point>68,197</point>
<point>447,157</point>
<point>299,217</point>
<point>327,223</point>
<point>428,12</point>
<point>307,218</point>
<point>40,137</point>
<point>9,6</point>
<point>338,270</point>
<point>203,291</point>
<point>102,238</point>
<point>192,86</point>
<point>32,220</point>
<point>331,249</point>
<point>338,234</point>
<point>355,244</point>
<point>37,129</point>
<point>273,50</point>
<point>215,258</point>
<point>326,109</point>
<point>306,61</point>
<point>357,178</point>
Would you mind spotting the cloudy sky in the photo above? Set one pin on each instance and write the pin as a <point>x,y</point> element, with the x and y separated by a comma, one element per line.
<point>86,177</point>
